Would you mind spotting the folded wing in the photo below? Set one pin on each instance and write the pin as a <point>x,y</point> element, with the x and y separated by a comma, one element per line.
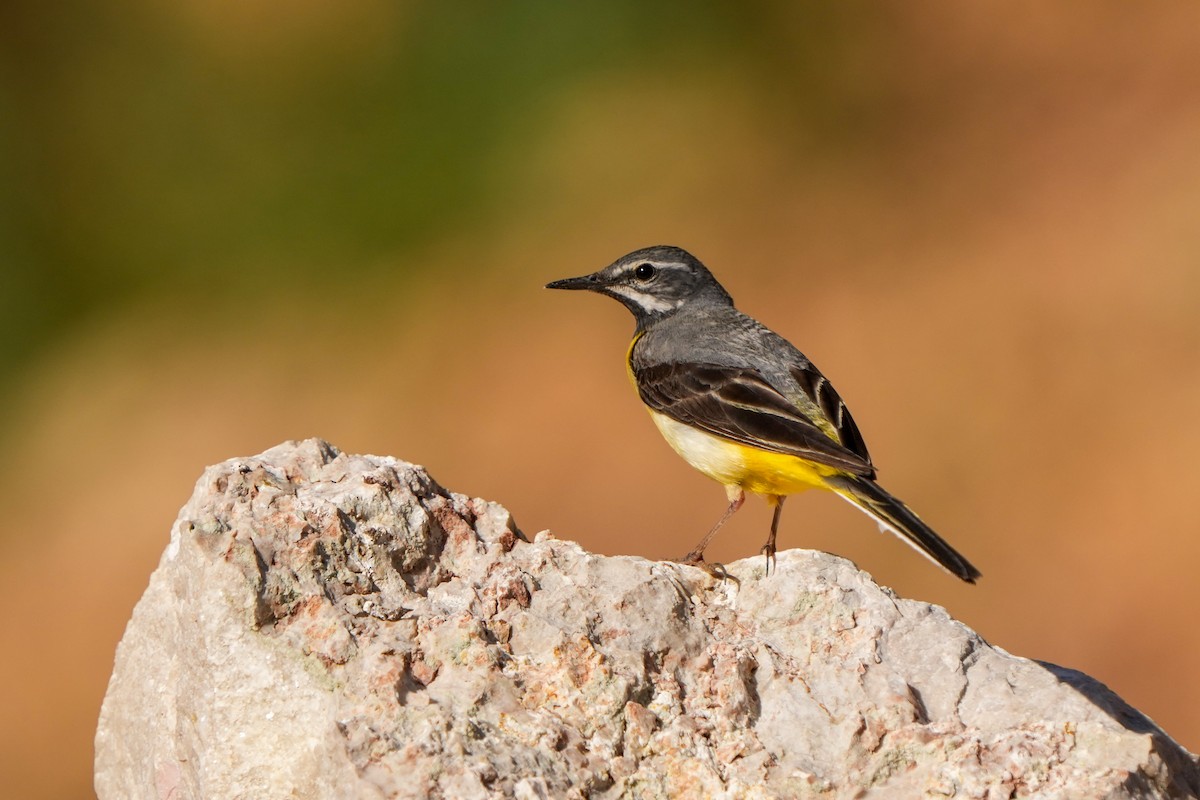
<point>737,403</point>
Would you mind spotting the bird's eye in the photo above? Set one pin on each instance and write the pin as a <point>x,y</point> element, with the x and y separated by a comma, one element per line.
<point>644,272</point>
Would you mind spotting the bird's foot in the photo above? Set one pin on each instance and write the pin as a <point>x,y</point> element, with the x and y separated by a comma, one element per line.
<point>713,568</point>
<point>768,550</point>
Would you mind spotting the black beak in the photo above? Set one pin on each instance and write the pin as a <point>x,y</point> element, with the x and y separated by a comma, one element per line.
<point>582,282</point>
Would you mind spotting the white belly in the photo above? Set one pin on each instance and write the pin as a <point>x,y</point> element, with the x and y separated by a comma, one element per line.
<point>748,468</point>
<point>717,458</point>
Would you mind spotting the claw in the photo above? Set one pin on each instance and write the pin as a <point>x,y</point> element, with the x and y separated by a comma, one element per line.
<point>768,550</point>
<point>714,568</point>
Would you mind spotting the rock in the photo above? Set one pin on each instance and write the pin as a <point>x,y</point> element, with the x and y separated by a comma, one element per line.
<point>332,626</point>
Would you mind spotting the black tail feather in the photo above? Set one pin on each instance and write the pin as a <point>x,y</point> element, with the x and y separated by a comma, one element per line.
<point>899,518</point>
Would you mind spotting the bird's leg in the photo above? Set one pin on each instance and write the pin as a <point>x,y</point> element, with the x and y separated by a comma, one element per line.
<point>768,549</point>
<point>736,498</point>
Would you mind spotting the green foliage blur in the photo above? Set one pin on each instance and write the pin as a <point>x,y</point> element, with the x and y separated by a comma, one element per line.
<point>195,155</point>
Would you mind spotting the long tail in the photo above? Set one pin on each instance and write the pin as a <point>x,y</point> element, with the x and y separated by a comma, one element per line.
<point>893,515</point>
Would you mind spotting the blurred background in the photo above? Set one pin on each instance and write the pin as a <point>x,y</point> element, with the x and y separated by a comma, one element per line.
<point>228,224</point>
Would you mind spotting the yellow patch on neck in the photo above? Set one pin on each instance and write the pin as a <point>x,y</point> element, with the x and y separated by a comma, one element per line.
<point>629,357</point>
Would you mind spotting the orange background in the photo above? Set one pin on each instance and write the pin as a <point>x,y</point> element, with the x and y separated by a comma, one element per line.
<point>228,224</point>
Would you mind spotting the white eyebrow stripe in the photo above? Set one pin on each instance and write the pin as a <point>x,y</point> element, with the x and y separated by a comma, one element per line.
<point>646,301</point>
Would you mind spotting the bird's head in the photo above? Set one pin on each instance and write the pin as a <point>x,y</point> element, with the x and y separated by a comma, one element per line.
<point>653,283</point>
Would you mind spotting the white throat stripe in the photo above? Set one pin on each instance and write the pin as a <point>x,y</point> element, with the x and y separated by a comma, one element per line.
<point>646,301</point>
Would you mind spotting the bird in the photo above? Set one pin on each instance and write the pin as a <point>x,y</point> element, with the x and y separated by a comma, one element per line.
<point>741,404</point>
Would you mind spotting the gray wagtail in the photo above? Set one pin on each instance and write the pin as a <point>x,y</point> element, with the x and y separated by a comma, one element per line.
<point>740,403</point>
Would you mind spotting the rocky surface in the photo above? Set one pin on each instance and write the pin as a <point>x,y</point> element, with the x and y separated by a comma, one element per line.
<point>331,626</point>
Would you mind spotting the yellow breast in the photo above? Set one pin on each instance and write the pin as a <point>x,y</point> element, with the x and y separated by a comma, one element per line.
<point>734,464</point>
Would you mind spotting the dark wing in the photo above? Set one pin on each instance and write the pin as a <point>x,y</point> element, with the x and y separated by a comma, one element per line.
<point>820,391</point>
<point>738,404</point>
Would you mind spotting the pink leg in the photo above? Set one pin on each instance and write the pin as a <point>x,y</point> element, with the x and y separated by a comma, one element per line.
<point>736,498</point>
<point>768,549</point>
